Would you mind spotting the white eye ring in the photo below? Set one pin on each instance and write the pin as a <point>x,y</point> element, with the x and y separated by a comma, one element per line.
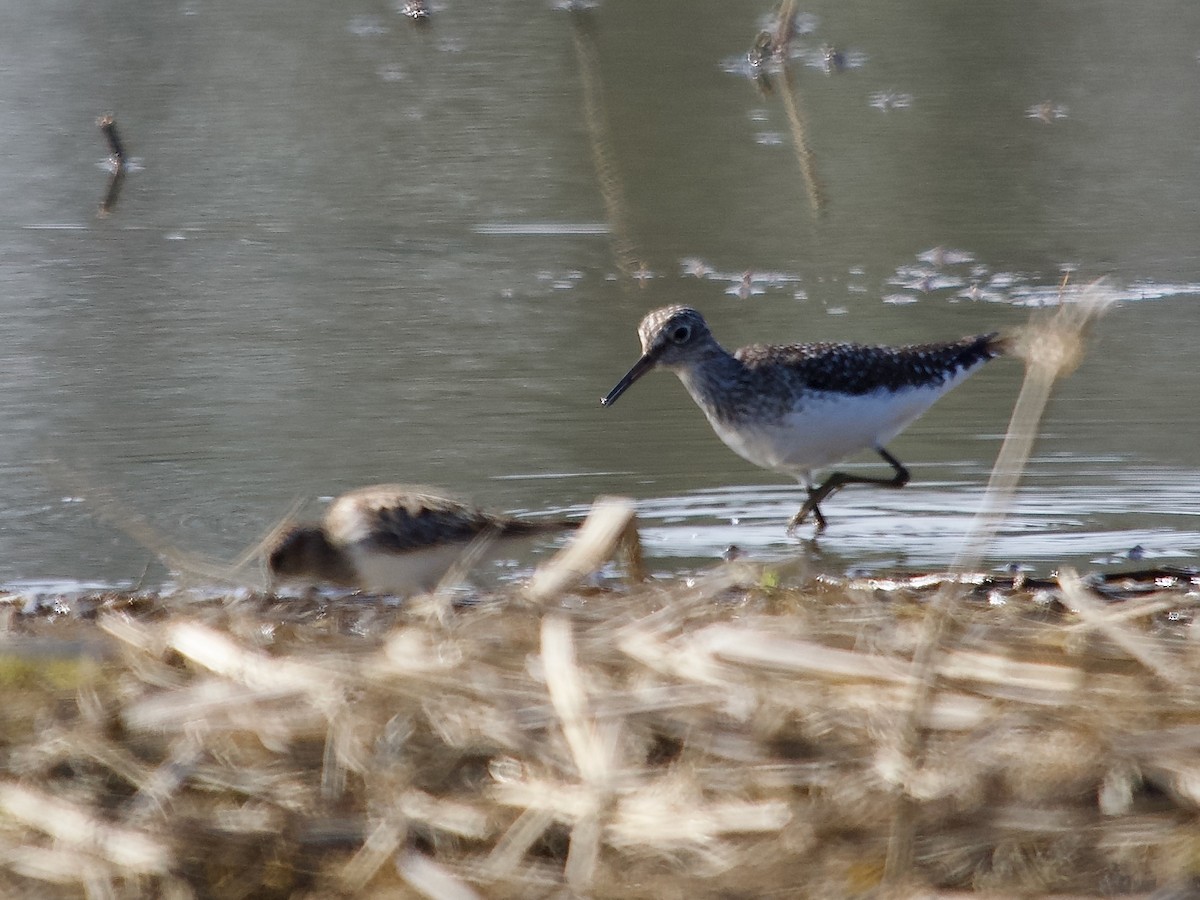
<point>681,334</point>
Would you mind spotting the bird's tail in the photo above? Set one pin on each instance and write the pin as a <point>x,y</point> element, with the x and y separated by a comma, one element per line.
<point>1001,343</point>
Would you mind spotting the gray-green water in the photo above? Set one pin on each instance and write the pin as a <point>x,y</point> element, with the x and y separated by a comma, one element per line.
<point>353,250</point>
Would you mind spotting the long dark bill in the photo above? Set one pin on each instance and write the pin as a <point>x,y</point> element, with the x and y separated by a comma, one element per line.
<point>640,368</point>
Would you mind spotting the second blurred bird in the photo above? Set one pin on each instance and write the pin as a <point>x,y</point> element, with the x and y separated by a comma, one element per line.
<point>398,539</point>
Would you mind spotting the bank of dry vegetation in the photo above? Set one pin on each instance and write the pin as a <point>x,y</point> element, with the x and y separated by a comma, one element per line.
<point>724,736</point>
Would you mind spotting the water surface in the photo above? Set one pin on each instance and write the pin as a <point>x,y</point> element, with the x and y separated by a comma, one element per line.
<point>354,250</point>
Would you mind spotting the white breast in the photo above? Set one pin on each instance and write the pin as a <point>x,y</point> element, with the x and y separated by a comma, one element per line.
<point>828,428</point>
<point>406,572</point>
<point>417,571</point>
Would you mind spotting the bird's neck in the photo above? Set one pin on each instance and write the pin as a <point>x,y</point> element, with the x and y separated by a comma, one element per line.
<point>716,380</point>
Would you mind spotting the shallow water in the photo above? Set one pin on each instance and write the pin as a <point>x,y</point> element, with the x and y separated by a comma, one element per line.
<point>923,526</point>
<point>355,251</point>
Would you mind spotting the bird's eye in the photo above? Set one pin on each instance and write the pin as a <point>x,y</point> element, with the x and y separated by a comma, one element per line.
<point>681,334</point>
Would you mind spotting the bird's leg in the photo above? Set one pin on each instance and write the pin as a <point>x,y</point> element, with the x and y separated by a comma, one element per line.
<point>838,480</point>
<point>809,506</point>
<point>900,479</point>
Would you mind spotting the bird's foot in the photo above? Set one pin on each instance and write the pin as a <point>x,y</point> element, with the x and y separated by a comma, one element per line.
<point>809,506</point>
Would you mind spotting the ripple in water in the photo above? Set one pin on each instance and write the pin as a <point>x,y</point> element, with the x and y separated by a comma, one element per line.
<point>1095,522</point>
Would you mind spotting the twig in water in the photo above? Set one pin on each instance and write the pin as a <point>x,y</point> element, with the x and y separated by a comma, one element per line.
<point>117,160</point>
<point>109,127</point>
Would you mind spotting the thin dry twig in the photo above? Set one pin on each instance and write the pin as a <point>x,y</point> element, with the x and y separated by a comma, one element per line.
<point>1076,597</point>
<point>608,527</point>
<point>1050,349</point>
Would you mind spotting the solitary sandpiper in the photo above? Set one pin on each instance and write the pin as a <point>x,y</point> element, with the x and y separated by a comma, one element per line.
<point>799,408</point>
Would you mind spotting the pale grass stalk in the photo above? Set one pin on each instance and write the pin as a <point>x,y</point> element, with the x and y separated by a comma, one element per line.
<point>220,654</point>
<point>657,641</point>
<point>591,745</point>
<point>166,780</point>
<point>126,848</point>
<point>217,705</point>
<point>583,854</point>
<point>175,889</point>
<point>1050,349</point>
<point>132,633</point>
<point>617,705</point>
<point>333,768</point>
<point>1021,817</point>
<point>607,527</point>
<point>432,879</point>
<point>416,651</point>
<point>1059,681</point>
<point>99,887</point>
<point>674,658</point>
<point>1144,831</point>
<point>997,895</point>
<point>52,865</point>
<point>744,646</point>
<point>114,758</point>
<point>1130,610</point>
<point>642,819</point>
<point>352,738</point>
<point>468,719</point>
<point>1184,738</point>
<point>783,23</point>
<point>536,878</point>
<point>565,802</point>
<point>949,710</point>
<point>564,681</point>
<point>515,843</point>
<point>381,844</point>
<point>1115,796</point>
<point>664,814</point>
<point>1141,647</point>
<point>450,816</point>
<point>250,819</point>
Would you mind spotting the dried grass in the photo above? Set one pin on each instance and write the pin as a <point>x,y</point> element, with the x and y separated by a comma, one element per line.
<point>719,737</point>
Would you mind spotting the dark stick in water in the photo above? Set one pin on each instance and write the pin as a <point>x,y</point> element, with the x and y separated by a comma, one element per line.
<point>117,158</point>
<point>109,126</point>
